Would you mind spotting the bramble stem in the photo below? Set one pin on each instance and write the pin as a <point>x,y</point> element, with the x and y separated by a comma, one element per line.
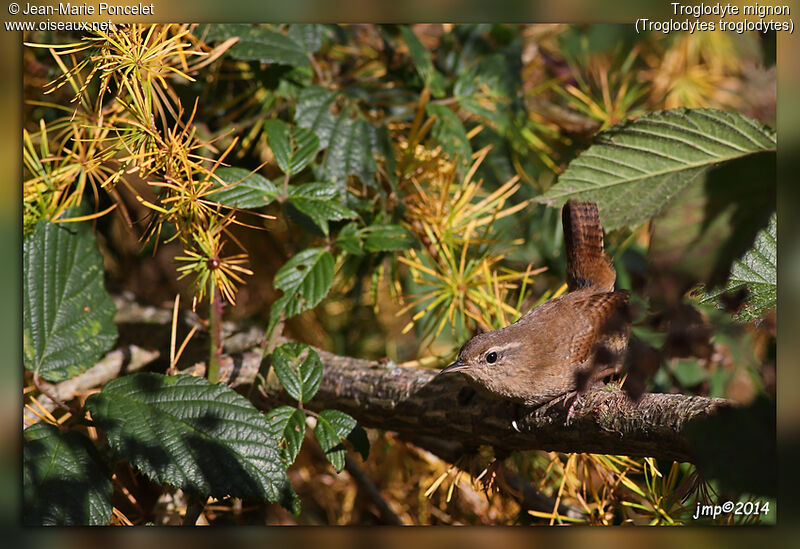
<point>215,332</point>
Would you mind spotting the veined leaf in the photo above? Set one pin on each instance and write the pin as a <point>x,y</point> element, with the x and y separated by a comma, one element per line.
<point>424,63</point>
<point>350,240</point>
<point>65,481</point>
<point>313,112</point>
<point>486,89</point>
<point>305,280</point>
<point>637,167</point>
<point>386,238</point>
<point>222,31</point>
<point>309,36</point>
<point>244,189</point>
<point>300,378</point>
<point>318,201</point>
<point>288,425</point>
<point>331,429</point>
<point>293,149</point>
<point>449,131</point>
<point>269,46</point>
<point>757,271</point>
<point>189,433</point>
<point>349,152</point>
<point>68,317</point>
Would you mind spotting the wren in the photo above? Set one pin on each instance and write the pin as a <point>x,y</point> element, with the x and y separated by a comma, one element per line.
<point>565,343</point>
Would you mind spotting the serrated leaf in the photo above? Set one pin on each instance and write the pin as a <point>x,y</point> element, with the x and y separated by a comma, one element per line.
<point>638,166</point>
<point>757,271</point>
<point>318,202</point>
<point>350,240</point>
<point>300,378</point>
<point>194,435</point>
<point>386,238</point>
<point>424,62</point>
<point>288,425</point>
<point>349,152</point>
<point>268,46</point>
<point>449,132</point>
<point>305,280</point>
<point>65,481</point>
<point>243,189</point>
<point>313,112</point>
<point>332,427</point>
<point>293,149</point>
<point>309,36</point>
<point>68,317</point>
<point>486,89</point>
<point>222,31</point>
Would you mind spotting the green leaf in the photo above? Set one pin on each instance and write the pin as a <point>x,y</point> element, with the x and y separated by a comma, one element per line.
<point>313,112</point>
<point>386,238</point>
<point>332,427</point>
<point>689,373</point>
<point>424,63</point>
<point>223,31</point>
<point>268,46</point>
<point>243,189</point>
<point>288,424</point>
<point>305,280</point>
<point>293,150</point>
<point>301,379</point>
<point>638,166</point>
<point>350,240</point>
<point>309,36</point>
<point>194,435</point>
<point>757,271</point>
<point>318,201</point>
<point>349,152</point>
<point>486,89</point>
<point>68,317</point>
<point>65,481</point>
<point>449,131</point>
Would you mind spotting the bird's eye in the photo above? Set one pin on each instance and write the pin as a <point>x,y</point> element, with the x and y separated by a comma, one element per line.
<point>491,358</point>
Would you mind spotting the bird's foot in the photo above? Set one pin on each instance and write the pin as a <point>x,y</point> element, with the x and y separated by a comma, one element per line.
<point>574,396</point>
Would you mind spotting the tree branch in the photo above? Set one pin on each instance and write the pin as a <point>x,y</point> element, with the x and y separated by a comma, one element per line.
<point>416,402</point>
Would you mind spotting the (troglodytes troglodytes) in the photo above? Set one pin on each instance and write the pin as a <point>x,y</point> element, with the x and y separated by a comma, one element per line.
<point>565,342</point>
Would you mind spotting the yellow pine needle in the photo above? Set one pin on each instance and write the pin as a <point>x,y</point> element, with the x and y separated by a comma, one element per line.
<point>554,516</point>
<point>87,217</point>
<point>435,486</point>
<point>42,413</point>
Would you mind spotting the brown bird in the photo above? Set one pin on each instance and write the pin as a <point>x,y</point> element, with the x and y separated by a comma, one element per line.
<point>565,343</point>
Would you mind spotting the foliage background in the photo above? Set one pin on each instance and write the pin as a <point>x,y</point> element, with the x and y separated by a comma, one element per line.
<point>573,81</point>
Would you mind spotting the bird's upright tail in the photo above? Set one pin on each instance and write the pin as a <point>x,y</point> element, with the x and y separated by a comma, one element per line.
<point>587,263</point>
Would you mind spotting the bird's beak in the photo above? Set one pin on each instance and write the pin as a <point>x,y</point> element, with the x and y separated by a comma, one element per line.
<point>456,366</point>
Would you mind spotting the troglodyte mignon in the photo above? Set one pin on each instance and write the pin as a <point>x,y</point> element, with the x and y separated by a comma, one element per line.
<point>564,343</point>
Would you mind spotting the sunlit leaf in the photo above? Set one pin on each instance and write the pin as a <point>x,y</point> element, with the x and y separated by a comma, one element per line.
<point>637,167</point>
<point>245,189</point>
<point>68,317</point>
